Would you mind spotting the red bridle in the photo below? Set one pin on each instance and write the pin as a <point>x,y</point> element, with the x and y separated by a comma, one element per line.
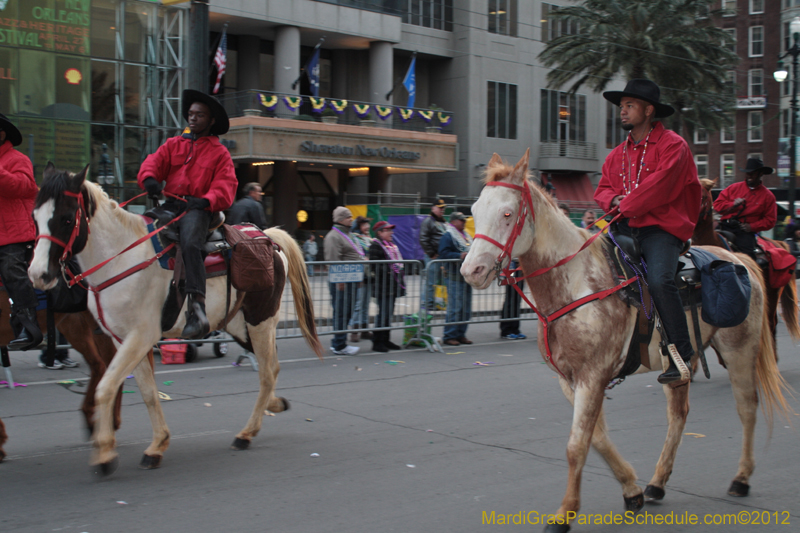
<point>526,205</point>
<point>76,230</point>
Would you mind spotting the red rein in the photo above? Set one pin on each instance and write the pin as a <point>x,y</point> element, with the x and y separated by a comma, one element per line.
<point>526,206</point>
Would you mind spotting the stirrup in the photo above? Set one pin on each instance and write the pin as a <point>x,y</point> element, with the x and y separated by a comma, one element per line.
<point>684,373</point>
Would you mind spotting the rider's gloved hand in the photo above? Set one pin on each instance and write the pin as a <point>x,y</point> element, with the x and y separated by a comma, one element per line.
<point>192,202</point>
<point>152,187</point>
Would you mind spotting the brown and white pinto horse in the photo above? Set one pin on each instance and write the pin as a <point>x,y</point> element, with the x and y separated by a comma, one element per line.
<point>130,310</point>
<point>588,345</point>
<point>704,234</point>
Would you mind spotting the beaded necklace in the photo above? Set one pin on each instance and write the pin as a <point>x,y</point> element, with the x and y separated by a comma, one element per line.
<point>393,252</point>
<point>354,245</point>
<point>629,186</point>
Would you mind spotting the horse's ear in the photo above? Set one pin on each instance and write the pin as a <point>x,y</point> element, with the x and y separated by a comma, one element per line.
<point>50,170</point>
<point>76,180</point>
<point>520,172</point>
<point>495,161</point>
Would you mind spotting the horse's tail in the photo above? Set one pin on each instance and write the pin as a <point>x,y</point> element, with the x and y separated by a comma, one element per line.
<point>301,289</point>
<point>769,380</point>
<point>789,308</point>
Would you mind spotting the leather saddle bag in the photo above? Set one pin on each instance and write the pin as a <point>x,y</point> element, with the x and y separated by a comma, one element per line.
<point>252,267</point>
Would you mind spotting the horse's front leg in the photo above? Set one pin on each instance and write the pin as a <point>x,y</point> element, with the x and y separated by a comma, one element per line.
<point>677,411</point>
<point>588,401</point>
<point>262,337</point>
<point>128,356</point>
<point>145,378</point>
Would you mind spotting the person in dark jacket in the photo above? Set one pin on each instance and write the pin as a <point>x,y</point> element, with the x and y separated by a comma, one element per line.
<point>455,244</point>
<point>249,208</point>
<point>431,231</point>
<point>388,285</point>
<point>17,232</point>
<point>197,167</point>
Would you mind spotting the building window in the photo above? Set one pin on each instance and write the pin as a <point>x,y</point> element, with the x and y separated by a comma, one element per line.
<point>727,169</point>
<point>755,82</point>
<point>563,116</point>
<point>730,7</point>
<point>732,45</point>
<point>501,106</point>
<point>756,7</point>
<point>727,134</point>
<point>756,41</point>
<point>436,14</point>
<point>700,136</point>
<point>730,82</point>
<point>755,121</point>
<point>615,135</point>
<point>755,156</point>
<point>552,29</point>
<point>503,17</point>
<point>701,162</point>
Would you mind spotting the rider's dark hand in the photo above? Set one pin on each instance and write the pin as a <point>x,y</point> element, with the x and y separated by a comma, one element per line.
<point>152,187</point>
<point>192,202</point>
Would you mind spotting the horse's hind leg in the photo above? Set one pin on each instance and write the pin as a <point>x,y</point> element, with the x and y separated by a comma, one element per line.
<point>3,439</point>
<point>588,401</point>
<point>621,468</point>
<point>677,411</point>
<point>742,373</point>
<point>262,338</point>
<point>147,386</point>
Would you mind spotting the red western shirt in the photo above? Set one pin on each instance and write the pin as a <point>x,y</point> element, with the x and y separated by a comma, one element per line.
<point>201,168</point>
<point>17,195</point>
<point>759,208</point>
<point>668,192</point>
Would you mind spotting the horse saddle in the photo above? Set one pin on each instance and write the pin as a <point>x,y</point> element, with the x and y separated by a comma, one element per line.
<point>215,241</point>
<point>758,253</point>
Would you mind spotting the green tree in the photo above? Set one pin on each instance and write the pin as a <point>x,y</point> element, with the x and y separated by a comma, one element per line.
<point>675,43</point>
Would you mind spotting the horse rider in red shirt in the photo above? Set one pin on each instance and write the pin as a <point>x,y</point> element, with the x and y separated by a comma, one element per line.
<point>197,167</point>
<point>747,207</point>
<point>651,177</point>
<point>17,233</point>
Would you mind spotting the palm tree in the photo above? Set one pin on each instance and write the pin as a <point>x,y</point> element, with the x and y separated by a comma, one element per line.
<point>672,42</point>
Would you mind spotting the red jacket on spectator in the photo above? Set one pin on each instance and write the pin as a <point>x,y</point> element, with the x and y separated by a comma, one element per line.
<point>17,195</point>
<point>668,195</point>
<point>201,168</point>
<point>759,208</point>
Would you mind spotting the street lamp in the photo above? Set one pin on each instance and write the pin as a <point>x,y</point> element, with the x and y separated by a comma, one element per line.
<point>781,75</point>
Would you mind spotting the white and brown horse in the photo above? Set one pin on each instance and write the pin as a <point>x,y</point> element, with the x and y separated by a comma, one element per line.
<point>130,310</point>
<point>587,346</point>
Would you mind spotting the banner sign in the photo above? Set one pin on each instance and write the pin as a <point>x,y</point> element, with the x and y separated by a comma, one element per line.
<point>52,25</point>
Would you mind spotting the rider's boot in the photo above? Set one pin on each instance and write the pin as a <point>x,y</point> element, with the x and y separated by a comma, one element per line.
<point>197,325</point>
<point>27,327</point>
<point>679,371</point>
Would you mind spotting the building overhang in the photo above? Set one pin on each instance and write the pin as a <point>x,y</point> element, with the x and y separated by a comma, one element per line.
<point>567,164</point>
<point>260,139</point>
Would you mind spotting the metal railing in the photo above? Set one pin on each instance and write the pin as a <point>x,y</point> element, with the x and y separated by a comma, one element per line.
<point>573,149</point>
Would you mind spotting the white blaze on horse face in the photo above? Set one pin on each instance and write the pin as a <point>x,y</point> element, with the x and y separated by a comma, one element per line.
<point>489,213</point>
<point>40,264</point>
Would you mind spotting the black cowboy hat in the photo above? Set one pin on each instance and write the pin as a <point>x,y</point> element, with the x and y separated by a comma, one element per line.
<point>221,123</point>
<point>643,90</point>
<point>12,133</point>
<point>754,164</point>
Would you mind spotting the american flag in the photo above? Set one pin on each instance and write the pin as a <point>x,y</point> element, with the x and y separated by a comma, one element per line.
<point>220,59</point>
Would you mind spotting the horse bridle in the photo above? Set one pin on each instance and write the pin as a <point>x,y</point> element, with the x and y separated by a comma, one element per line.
<point>76,230</point>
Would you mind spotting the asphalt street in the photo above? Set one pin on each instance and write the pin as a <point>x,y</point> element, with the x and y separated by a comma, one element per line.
<point>408,441</point>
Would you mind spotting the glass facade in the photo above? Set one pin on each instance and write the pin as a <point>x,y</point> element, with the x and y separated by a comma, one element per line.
<point>78,74</point>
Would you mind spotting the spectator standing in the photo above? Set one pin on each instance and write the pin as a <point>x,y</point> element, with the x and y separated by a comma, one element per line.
<point>339,246</point>
<point>17,233</point>
<point>589,217</point>
<point>249,208</point>
<point>433,227</point>
<point>564,209</point>
<point>455,244</point>
<point>360,319</point>
<point>511,308</point>
<point>389,283</point>
<point>310,251</point>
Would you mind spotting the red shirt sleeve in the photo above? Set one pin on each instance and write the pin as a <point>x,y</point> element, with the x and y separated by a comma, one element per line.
<point>606,189</point>
<point>17,178</point>
<point>222,192</point>
<point>769,216</point>
<point>724,201</point>
<point>156,165</point>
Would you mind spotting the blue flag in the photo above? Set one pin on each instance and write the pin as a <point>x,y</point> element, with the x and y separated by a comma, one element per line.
<point>312,70</point>
<point>410,83</point>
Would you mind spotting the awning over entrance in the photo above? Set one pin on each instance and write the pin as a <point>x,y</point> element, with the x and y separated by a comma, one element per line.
<point>275,139</point>
<point>576,189</point>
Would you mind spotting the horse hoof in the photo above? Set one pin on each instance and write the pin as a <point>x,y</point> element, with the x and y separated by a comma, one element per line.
<point>240,444</point>
<point>739,489</point>
<point>556,528</point>
<point>634,503</point>
<point>106,469</point>
<point>286,404</point>
<point>653,493</point>
<point>150,462</point>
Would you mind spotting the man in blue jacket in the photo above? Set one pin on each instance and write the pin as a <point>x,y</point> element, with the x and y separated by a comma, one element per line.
<point>455,244</point>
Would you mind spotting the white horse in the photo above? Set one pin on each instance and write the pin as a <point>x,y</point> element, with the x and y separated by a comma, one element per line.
<point>130,310</point>
<point>588,345</point>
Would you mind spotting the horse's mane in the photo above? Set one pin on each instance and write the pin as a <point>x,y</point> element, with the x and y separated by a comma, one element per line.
<point>102,200</point>
<point>707,183</point>
<point>503,170</point>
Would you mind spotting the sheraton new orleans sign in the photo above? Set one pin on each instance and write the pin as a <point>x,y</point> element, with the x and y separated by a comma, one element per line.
<point>358,150</point>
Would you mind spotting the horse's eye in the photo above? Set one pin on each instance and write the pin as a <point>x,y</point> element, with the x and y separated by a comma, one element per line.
<point>67,221</point>
<point>507,214</point>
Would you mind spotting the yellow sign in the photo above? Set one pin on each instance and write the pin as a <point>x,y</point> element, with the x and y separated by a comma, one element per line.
<point>302,216</point>
<point>172,2</point>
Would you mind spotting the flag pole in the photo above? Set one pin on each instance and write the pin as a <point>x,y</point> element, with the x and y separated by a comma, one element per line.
<point>302,70</point>
<point>400,79</point>
<point>216,45</point>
